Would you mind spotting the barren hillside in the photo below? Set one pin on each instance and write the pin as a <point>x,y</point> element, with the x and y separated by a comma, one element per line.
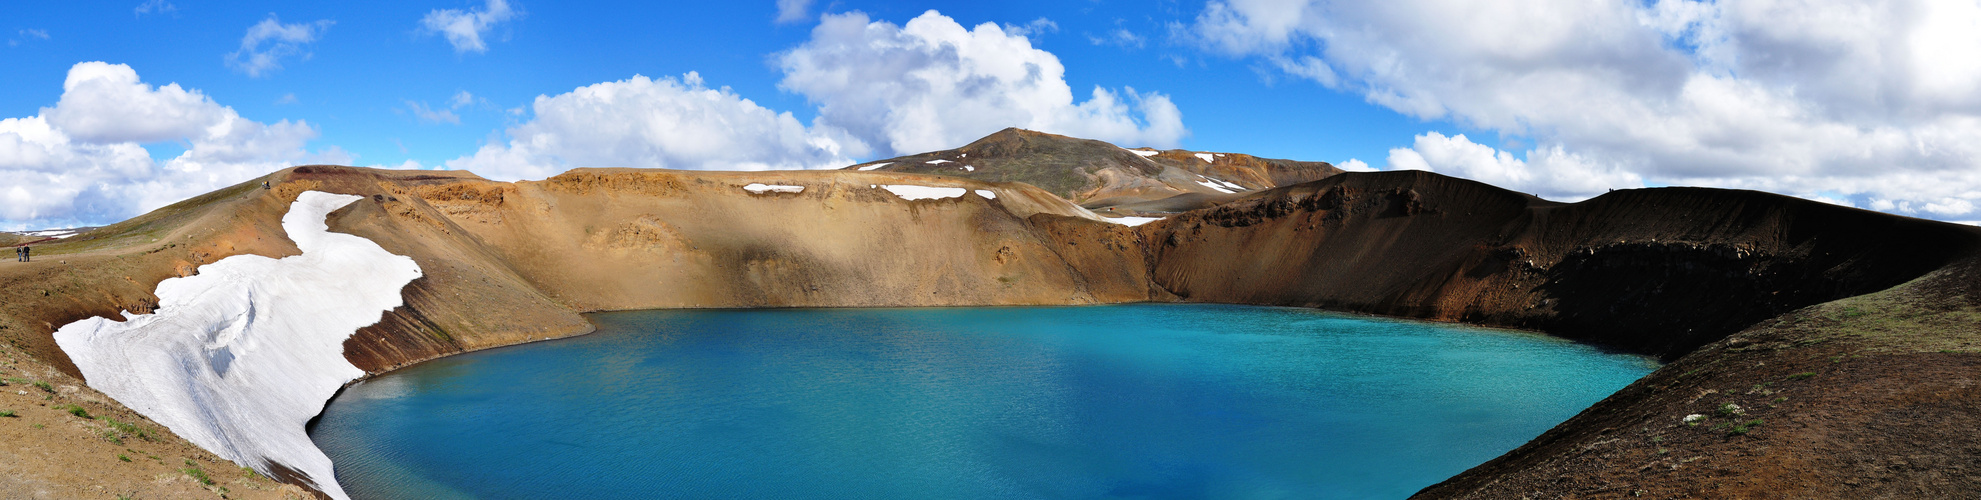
<point>1842,336</point>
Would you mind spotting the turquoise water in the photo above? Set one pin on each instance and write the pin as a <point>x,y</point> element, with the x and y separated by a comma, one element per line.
<point>1135,401</point>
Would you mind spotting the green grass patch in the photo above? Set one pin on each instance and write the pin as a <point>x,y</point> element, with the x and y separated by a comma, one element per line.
<point>77,411</point>
<point>123,457</point>
<point>128,428</point>
<point>197,475</point>
<point>7,414</point>
<point>44,386</point>
<point>1744,427</point>
<point>1800,376</point>
<point>1728,410</point>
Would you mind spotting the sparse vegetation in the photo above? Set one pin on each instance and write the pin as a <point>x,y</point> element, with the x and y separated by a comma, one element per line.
<point>44,387</point>
<point>123,457</point>
<point>7,414</point>
<point>128,429</point>
<point>1743,427</point>
<point>1800,376</point>
<point>77,411</point>
<point>1729,409</point>
<point>192,470</point>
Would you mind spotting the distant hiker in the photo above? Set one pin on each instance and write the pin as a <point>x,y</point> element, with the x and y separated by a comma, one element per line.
<point>264,184</point>
<point>24,251</point>
<point>20,256</point>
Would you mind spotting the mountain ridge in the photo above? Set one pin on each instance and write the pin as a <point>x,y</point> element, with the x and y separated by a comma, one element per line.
<point>1742,292</point>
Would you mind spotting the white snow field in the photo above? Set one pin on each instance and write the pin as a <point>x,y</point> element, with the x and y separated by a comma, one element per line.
<point>1145,154</point>
<point>1206,157</point>
<point>1207,183</point>
<point>987,194</point>
<point>241,355</point>
<point>761,188</point>
<point>874,166</point>
<point>1133,221</point>
<point>912,193</point>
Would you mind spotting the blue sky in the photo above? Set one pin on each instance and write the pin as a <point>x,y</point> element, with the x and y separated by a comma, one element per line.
<point>1563,98</point>
<point>356,78</point>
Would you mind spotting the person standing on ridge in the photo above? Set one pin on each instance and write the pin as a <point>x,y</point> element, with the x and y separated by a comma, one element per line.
<point>27,254</point>
<point>18,256</point>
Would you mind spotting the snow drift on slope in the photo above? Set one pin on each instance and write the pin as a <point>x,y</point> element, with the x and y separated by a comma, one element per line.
<point>239,357</point>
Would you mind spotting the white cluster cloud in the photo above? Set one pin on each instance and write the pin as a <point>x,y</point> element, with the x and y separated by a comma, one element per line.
<point>83,161</point>
<point>465,29</point>
<point>664,123</point>
<point>792,11</point>
<point>269,41</point>
<point>879,88</point>
<point>1873,103</point>
<point>934,84</point>
<point>1552,170</point>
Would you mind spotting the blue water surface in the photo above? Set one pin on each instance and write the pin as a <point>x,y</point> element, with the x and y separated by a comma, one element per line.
<point>1131,401</point>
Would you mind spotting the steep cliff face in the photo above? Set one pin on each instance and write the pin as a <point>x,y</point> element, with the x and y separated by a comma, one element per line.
<point>1659,271</point>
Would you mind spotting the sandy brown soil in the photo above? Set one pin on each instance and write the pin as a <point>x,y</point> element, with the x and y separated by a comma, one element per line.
<point>48,450</point>
<point>1851,336</point>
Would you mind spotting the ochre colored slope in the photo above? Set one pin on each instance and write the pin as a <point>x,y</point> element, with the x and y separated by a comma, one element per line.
<point>1850,335</point>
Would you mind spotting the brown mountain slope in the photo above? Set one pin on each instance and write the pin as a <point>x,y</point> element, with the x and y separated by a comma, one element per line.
<point>1857,332</point>
<point>1853,375</point>
<point>1099,175</point>
<point>1659,271</point>
<point>509,263</point>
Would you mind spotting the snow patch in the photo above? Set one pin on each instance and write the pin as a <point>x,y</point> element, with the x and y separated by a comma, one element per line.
<point>1205,156</point>
<point>1132,221</point>
<point>912,193</point>
<point>241,355</point>
<point>1145,154</point>
<point>967,168</point>
<point>987,194</point>
<point>759,188</point>
<point>937,162</point>
<point>1220,189</point>
<point>874,166</point>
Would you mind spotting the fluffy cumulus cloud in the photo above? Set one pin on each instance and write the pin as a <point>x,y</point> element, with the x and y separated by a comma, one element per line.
<point>83,161</point>
<point>464,29</point>
<point>1875,103</point>
<point>1551,170</point>
<point>270,41</point>
<point>934,84</point>
<point>649,123</point>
